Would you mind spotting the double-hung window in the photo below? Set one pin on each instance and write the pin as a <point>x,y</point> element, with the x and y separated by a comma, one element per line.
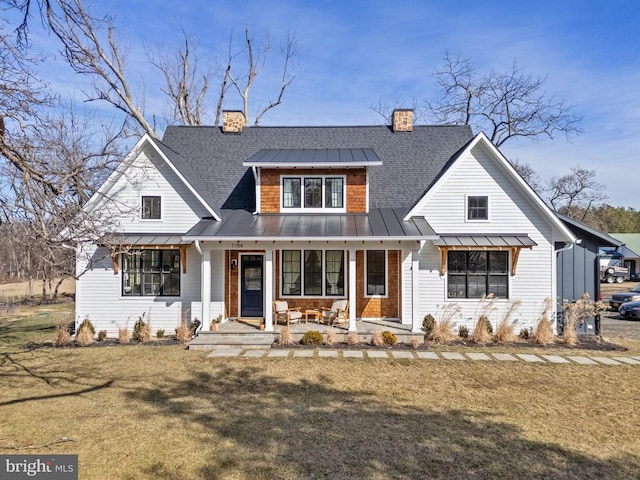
<point>151,273</point>
<point>312,273</point>
<point>477,208</point>
<point>151,207</point>
<point>313,193</point>
<point>475,274</point>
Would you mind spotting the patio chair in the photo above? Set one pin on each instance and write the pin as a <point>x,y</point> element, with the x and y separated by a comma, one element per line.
<point>338,313</point>
<point>281,311</point>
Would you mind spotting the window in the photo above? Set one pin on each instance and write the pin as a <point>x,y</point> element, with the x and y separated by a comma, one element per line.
<point>316,192</point>
<point>151,273</point>
<point>477,208</point>
<point>475,274</point>
<point>376,275</point>
<point>151,207</point>
<point>313,272</point>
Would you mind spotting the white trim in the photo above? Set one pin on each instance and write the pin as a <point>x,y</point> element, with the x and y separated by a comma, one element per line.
<point>324,272</point>
<point>466,209</point>
<point>482,139</point>
<point>155,194</point>
<point>286,165</point>
<point>366,190</point>
<point>302,208</point>
<point>386,273</point>
<point>257,173</point>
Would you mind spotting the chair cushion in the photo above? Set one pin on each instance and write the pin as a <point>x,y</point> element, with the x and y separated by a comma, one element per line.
<point>339,305</point>
<point>295,315</point>
<point>281,306</point>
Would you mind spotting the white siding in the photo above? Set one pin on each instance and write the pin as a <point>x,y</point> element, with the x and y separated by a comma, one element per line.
<point>149,175</point>
<point>510,212</point>
<point>98,294</point>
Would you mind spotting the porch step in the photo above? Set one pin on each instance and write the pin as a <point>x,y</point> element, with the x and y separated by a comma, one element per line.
<point>213,340</point>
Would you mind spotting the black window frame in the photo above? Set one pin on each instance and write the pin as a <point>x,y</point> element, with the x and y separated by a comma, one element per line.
<point>312,279</point>
<point>151,212</point>
<point>151,272</point>
<point>375,276</point>
<point>477,273</point>
<point>477,207</point>
<point>307,199</point>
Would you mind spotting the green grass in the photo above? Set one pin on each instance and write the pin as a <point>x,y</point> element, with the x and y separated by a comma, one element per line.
<point>164,412</point>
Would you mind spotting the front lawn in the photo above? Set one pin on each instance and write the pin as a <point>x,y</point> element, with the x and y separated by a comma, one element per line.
<point>164,412</point>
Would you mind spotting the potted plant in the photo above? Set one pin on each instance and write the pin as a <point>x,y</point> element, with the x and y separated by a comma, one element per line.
<point>214,323</point>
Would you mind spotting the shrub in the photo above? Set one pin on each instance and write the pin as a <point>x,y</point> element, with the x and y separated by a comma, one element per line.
<point>415,343</point>
<point>102,335</point>
<point>427,324</point>
<point>543,333</point>
<point>62,333</point>
<point>123,335</point>
<point>442,332</point>
<point>285,336</point>
<point>141,330</point>
<point>86,323</point>
<point>376,338</point>
<point>524,334</point>
<point>332,336</point>
<point>353,338</point>
<point>160,333</point>
<point>482,330</point>
<point>183,334</point>
<point>389,338</point>
<point>504,332</point>
<point>84,337</point>
<point>463,331</point>
<point>311,337</point>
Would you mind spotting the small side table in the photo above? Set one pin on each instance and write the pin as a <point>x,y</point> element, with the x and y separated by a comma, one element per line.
<point>314,314</point>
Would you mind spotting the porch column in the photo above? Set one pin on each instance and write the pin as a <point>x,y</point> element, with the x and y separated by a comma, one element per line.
<point>415,291</point>
<point>205,285</point>
<point>268,290</point>
<point>352,290</point>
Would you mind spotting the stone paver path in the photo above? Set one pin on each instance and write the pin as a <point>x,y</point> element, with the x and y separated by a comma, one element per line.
<point>423,355</point>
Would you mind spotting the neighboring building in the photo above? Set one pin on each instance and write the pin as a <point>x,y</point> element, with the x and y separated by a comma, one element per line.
<point>629,252</point>
<point>401,220</point>
<point>579,265</point>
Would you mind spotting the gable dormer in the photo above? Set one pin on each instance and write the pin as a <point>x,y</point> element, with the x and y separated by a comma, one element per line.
<point>320,180</point>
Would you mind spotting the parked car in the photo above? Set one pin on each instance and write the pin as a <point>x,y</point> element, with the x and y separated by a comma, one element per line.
<point>618,299</point>
<point>630,309</point>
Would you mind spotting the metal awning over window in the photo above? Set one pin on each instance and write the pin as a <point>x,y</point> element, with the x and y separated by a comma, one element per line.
<point>123,242</point>
<point>513,243</point>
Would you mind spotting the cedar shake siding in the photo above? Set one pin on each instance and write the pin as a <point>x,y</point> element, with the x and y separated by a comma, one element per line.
<point>271,196</point>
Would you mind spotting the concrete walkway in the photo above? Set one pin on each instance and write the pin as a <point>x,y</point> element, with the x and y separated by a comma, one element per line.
<point>424,355</point>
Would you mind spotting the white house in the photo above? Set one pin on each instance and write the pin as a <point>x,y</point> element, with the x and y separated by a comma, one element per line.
<point>400,220</point>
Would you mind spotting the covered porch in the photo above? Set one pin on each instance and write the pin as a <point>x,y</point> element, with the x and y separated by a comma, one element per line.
<point>246,334</point>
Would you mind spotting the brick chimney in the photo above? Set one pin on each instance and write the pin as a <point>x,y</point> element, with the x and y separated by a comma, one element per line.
<point>232,121</point>
<point>402,120</point>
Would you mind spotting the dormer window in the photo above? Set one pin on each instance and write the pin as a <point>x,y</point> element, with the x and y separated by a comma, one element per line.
<point>477,208</point>
<point>313,193</point>
<point>151,207</point>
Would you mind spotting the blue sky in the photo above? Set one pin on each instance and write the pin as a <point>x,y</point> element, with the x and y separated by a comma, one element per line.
<point>355,52</point>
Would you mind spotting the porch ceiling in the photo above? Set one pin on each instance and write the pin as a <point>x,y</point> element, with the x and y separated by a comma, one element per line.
<point>378,224</point>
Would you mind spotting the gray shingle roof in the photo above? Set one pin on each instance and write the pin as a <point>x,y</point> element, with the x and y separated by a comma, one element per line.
<point>213,161</point>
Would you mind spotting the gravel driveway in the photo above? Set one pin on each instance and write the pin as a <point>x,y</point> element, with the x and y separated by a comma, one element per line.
<point>612,323</point>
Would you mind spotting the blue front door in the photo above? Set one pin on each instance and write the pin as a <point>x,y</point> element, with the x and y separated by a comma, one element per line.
<point>251,286</point>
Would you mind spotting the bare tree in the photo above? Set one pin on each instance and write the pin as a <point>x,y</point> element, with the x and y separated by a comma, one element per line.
<point>186,85</point>
<point>504,105</point>
<point>90,48</point>
<point>576,193</point>
<point>385,107</point>
<point>256,57</point>
<point>527,173</point>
